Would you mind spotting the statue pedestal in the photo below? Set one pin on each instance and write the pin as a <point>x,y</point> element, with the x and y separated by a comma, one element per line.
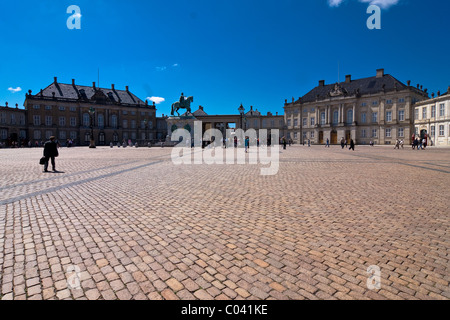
<point>181,122</point>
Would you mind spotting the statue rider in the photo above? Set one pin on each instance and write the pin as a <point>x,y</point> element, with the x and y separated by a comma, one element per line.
<point>182,100</point>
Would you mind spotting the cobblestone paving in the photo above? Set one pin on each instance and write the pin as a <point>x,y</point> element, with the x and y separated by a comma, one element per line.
<point>139,227</point>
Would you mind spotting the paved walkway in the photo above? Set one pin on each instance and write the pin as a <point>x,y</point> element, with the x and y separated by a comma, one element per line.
<point>136,226</point>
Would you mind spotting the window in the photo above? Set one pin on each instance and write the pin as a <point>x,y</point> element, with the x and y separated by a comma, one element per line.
<point>388,133</point>
<point>3,134</point>
<point>13,118</point>
<point>363,133</point>
<point>335,117</point>
<point>143,136</point>
<point>401,115</point>
<point>433,131</point>
<point>401,132</point>
<point>305,122</point>
<point>73,121</point>
<point>304,136</point>
<point>442,110</point>
<point>289,122</point>
<point>264,123</point>
<point>87,137</point>
<point>305,110</point>
<point>37,120</point>
<point>62,108</point>
<point>349,116</point>
<point>389,116</point>
<point>48,134</point>
<point>150,124</point>
<point>125,124</point>
<point>441,130</point>
<point>255,123</point>
<point>23,134</point>
<point>281,123</point>
<point>48,121</point>
<point>114,121</point>
<point>272,123</point>
<point>401,100</point>
<point>374,103</point>
<point>433,111</point>
<point>313,121</point>
<point>133,136</point>
<point>133,113</point>
<point>295,135</point>
<point>22,119</point>
<point>36,107</point>
<point>125,135</point>
<point>3,118</point>
<point>86,120</point>
<point>101,137</point>
<point>133,124</point>
<point>101,120</point>
<point>424,113</point>
<point>37,134</point>
<point>416,114</point>
<point>322,118</point>
<point>312,135</point>
<point>62,121</point>
<point>363,117</point>
<point>313,110</point>
<point>364,104</point>
<point>125,112</point>
<point>62,135</point>
<point>48,107</point>
<point>73,109</point>
<point>374,133</point>
<point>375,117</point>
<point>389,101</point>
<point>295,123</point>
<point>73,135</point>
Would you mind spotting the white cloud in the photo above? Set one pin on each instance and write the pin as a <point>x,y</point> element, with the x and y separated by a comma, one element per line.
<point>382,3</point>
<point>335,3</point>
<point>156,100</point>
<point>175,65</point>
<point>161,68</point>
<point>14,90</point>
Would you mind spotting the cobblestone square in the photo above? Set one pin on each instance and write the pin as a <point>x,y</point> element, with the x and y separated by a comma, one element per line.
<point>132,225</point>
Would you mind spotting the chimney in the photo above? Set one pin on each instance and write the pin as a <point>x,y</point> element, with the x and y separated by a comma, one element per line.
<point>113,87</point>
<point>285,101</point>
<point>277,113</point>
<point>448,90</point>
<point>418,86</point>
<point>17,106</point>
<point>200,107</point>
<point>421,87</point>
<point>56,79</point>
<point>251,107</point>
<point>6,103</point>
<point>432,95</point>
<point>408,82</point>
<point>348,78</point>
<point>380,73</point>
<point>293,100</point>
<point>93,85</point>
<point>321,83</point>
<point>126,88</point>
<point>439,93</point>
<point>73,82</point>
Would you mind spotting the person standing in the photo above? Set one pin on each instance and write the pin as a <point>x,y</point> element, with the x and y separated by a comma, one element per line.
<point>284,143</point>
<point>352,145</point>
<point>50,153</point>
<point>309,143</point>
<point>328,143</point>
<point>342,143</point>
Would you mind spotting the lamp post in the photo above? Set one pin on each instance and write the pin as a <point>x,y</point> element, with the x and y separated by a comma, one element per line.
<point>91,114</point>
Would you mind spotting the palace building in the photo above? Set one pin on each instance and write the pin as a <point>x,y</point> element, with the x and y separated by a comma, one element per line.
<point>378,109</point>
<point>432,119</point>
<point>71,111</point>
<point>13,127</point>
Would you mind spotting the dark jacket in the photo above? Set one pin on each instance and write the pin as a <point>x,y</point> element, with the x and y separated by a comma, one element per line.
<point>50,149</point>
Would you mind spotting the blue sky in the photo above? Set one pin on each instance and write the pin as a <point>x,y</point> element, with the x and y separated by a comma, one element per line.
<point>223,52</point>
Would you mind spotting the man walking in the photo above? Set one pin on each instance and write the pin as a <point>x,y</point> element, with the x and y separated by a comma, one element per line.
<point>328,143</point>
<point>50,152</point>
<point>352,145</point>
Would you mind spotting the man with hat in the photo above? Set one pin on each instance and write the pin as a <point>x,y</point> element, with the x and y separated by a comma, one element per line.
<point>50,152</point>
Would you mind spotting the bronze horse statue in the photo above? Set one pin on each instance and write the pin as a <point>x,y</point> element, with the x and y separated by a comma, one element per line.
<point>186,104</point>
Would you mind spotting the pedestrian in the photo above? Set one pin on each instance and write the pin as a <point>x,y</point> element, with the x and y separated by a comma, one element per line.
<point>401,143</point>
<point>352,145</point>
<point>111,145</point>
<point>420,143</point>
<point>309,143</point>
<point>284,143</point>
<point>328,143</point>
<point>397,144</point>
<point>50,153</point>
<point>345,143</point>
<point>424,143</point>
<point>247,142</point>
<point>342,143</point>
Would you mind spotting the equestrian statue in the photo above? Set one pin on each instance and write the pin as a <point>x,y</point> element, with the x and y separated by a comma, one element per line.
<point>184,103</point>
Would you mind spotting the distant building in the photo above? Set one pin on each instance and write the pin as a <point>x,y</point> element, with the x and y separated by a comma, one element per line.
<point>432,119</point>
<point>378,109</point>
<point>13,126</point>
<point>62,110</point>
